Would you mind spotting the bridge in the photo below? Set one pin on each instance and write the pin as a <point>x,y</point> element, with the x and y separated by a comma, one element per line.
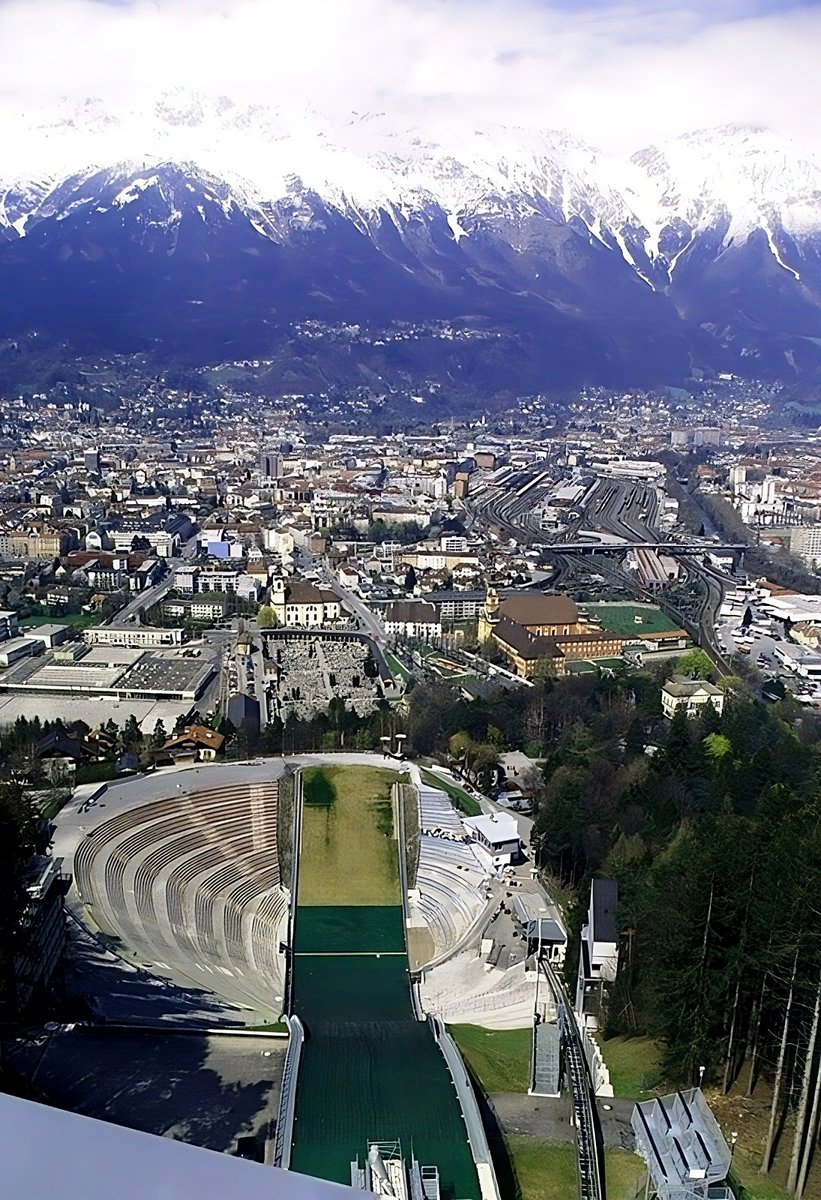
<point>618,547</point>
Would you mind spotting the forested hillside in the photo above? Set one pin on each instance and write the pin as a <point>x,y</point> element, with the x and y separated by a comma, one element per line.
<point>713,830</point>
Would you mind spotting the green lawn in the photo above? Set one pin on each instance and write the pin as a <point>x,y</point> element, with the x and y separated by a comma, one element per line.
<point>625,1173</point>
<point>499,1058</point>
<point>634,1064</point>
<point>348,854</point>
<point>621,619</point>
<point>397,667</point>
<point>755,1186</point>
<point>547,1170</point>
<point>459,797</point>
<point>544,1170</point>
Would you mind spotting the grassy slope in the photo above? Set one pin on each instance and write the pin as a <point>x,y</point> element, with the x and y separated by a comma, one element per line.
<point>499,1058</point>
<point>625,1173</point>
<point>547,1170</point>
<point>459,796</point>
<point>544,1170</point>
<point>759,1187</point>
<point>349,856</point>
<point>634,1065</point>
<point>397,666</point>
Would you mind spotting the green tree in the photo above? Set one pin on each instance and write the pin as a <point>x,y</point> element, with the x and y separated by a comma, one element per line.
<point>17,844</point>
<point>266,617</point>
<point>695,664</point>
<point>131,736</point>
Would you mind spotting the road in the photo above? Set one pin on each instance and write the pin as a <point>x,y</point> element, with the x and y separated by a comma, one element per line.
<point>133,611</point>
<point>368,622</point>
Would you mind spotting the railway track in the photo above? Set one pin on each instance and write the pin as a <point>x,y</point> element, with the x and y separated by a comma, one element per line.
<point>588,1135</point>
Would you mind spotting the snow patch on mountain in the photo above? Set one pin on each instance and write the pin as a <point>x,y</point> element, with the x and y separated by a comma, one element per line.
<point>133,190</point>
<point>281,173</point>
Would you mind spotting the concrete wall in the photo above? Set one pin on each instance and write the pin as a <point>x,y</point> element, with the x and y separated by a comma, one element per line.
<point>470,1110</point>
<point>595,1062</point>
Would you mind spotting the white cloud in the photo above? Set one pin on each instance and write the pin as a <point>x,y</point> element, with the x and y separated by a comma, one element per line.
<point>618,75</point>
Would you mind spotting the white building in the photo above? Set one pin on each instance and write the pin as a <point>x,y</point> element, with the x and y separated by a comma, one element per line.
<point>299,604</point>
<point>806,543</point>
<point>135,636</point>
<point>691,695</point>
<point>8,625</point>
<point>413,619</point>
<point>738,478</point>
<point>799,660</point>
<point>497,836</point>
<point>599,959</point>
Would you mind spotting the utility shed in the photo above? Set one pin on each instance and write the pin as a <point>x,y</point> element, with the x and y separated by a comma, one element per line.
<point>541,926</point>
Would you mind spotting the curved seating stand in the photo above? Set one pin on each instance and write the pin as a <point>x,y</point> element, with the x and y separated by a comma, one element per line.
<point>191,884</point>
<point>451,880</point>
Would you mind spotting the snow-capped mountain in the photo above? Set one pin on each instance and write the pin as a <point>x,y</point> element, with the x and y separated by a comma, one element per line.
<point>704,251</point>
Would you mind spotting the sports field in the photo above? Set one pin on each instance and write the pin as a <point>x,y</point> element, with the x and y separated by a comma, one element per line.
<point>349,853</point>
<point>621,619</point>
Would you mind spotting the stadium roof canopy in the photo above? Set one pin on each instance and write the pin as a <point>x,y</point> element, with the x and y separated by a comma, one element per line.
<point>45,1152</point>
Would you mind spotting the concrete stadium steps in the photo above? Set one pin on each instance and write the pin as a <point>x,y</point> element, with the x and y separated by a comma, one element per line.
<point>191,884</point>
<point>437,812</point>
<point>449,901</point>
<point>450,878</point>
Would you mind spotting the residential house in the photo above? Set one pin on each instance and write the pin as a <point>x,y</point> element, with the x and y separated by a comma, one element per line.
<point>197,743</point>
<point>690,696</point>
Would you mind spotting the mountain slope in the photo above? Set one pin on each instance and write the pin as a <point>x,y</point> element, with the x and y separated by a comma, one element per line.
<point>704,253</point>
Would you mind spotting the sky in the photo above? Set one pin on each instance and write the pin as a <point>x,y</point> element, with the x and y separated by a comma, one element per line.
<point>616,74</point>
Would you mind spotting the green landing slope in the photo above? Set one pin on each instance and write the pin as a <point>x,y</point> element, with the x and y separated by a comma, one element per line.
<point>369,1070</point>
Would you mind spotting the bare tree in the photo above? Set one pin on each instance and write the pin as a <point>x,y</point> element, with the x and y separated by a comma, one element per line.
<point>803,1099</point>
<point>779,1073</point>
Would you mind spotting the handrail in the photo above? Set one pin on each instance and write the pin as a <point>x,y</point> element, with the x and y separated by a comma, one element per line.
<point>284,1136</point>
<point>590,1174</point>
<point>477,1139</point>
<point>288,995</point>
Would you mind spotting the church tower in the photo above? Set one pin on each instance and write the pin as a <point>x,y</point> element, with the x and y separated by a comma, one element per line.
<point>489,615</point>
<point>278,598</point>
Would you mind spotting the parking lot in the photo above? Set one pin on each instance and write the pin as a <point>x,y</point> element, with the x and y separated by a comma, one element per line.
<point>758,642</point>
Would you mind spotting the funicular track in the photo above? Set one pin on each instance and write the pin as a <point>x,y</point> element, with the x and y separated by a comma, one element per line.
<point>588,1139</point>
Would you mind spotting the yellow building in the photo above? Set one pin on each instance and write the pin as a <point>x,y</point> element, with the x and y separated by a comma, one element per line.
<point>535,631</point>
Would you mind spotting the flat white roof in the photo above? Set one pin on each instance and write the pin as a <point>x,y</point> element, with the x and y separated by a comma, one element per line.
<point>797,607</point>
<point>46,1152</point>
<point>499,827</point>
